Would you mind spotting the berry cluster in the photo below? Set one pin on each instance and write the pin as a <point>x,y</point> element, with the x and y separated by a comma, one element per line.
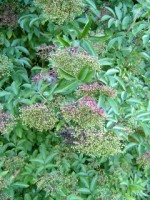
<point>5,66</point>
<point>49,77</point>
<point>45,50</point>
<point>4,196</point>
<point>91,142</point>
<point>54,183</point>
<point>72,60</point>
<point>84,113</point>
<point>144,160</point>
<point>9,16</point>
<point>2,184</point>
<point>13,163</point>
<point>38,116</point>
<point>96,88</point>
<point>7,122</point>
<point>59,11</point>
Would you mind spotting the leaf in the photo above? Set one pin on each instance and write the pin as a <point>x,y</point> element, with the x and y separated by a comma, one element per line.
<point>83,73</point>
<point>84,191</point>
<point>51,157</point>
<point>15,88</point>
<point>143,115</point>
<point>76,30</point>
<point>146,128</point>
<point>138,28</point>
<point>3,173</point>
<point>19,132</point>
<point>85,181</point>
<point>133,100</point>
<point>111,11</point>
<point>27,197</point>
<point>91,3</point>
<point>37,160</point>
<point>36,68</point>
<point>100,38</point>
<point>73,197</point>
<point>64,42</point>
<point>20,185</point>
<point>120,81</point>
<point>15,42</point>
<point>145,55</point>
<point>26,85</point>
<point>25,16</point>
<point>93,183</point>
<point>112,42</point>
<point>105,61</point>
<point>141,149</point>
<point>48,166</point>
<point>89,76</point>
<point>119,128</point>
<point>130,146</point>
<point>23,61</point>
<point>110,22</point>
<point>32,22</point>
<point>87,46</point>
<point>112,71</point>
<point>9,33</point>
<point>86,28</point>
<point>114,106</point>
<point>118,12</point>
<point>125,22</point>
<point>66,75</point>
<point>120,40</point>
<point>101,101</point>
<point>145,39</point>
<point>105,17</point>
<point>68,88</point>
<point>4,93</point>
<point>22,49</point>
<point>25,101</point>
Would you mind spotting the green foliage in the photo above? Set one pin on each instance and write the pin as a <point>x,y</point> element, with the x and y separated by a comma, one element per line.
<point>74,100</point>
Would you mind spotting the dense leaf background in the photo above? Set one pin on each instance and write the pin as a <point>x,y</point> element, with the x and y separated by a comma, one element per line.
<point>39,163</point>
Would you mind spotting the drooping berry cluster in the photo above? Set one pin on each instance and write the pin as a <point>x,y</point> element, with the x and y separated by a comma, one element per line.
<point>45,50</point>
<point>144,160</point>
<point>91,142</point>
<point>49,77</point>
<point>72,60</point>
<point>5,66</point>
<point>2,184</point>
<point>86,135</point>
<point>108,91</point>
<point>67,136</point>
<point>59,11</point>
<point>9,14</point>
<point>55,182</point>
<point>84,113</point>
<point>96,88</point>
<point>7,122</point>
<point>4,196</point>
<point>38,116</point>
<point>13,163</point>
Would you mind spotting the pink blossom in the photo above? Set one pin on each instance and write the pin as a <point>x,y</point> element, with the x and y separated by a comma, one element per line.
<point>91,103</point>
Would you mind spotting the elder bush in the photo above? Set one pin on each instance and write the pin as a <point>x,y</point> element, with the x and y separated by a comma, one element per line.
<point>74,100</point>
